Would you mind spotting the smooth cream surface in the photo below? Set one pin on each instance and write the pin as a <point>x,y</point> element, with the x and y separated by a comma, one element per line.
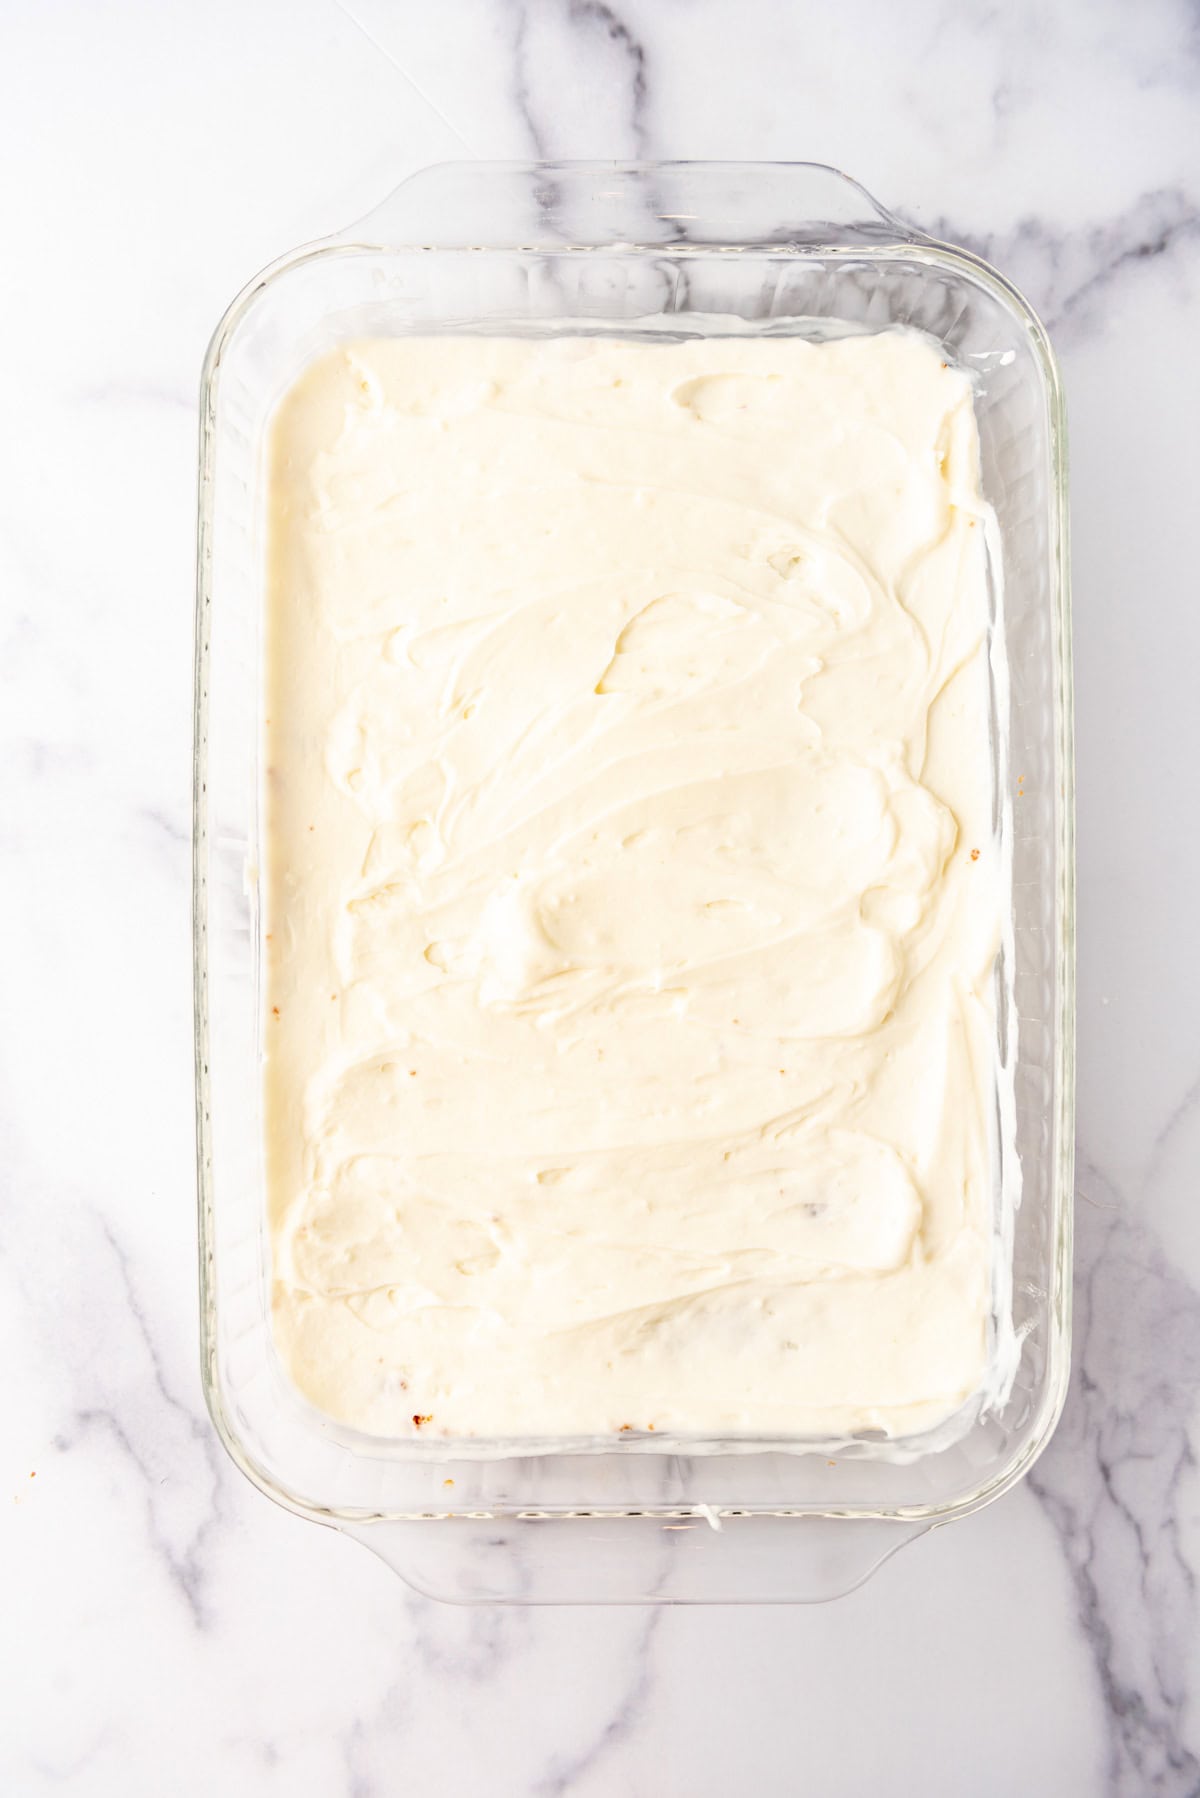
<point>632,898</point>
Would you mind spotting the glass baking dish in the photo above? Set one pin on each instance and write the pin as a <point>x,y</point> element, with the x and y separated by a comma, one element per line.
<point>634,249</point>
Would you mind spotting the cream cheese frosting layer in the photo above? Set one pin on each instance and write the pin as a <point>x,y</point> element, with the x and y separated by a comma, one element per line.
<point>631,894</point>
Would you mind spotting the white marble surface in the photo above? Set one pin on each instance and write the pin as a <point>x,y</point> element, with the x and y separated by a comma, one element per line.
<point>168,1631</point>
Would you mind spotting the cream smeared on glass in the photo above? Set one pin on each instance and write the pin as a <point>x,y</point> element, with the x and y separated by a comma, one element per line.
<point>631,894</point>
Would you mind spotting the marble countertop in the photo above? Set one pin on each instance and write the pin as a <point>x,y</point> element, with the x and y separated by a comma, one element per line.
<point>166,1629</point>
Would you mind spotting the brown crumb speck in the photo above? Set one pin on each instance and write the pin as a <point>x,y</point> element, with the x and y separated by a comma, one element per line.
<point>974,855</point>
<point>447,1482</point>
<point>418,1419</point>
<point>624,1427</point>
<point>275,1010</point>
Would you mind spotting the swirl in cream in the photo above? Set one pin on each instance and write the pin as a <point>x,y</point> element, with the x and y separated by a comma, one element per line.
<point>631,894</point>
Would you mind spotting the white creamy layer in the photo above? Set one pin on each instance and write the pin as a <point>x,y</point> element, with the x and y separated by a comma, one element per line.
<point>631,892</point>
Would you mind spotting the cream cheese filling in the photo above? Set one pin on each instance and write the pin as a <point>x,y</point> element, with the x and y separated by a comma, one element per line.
<point>631,893</point>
